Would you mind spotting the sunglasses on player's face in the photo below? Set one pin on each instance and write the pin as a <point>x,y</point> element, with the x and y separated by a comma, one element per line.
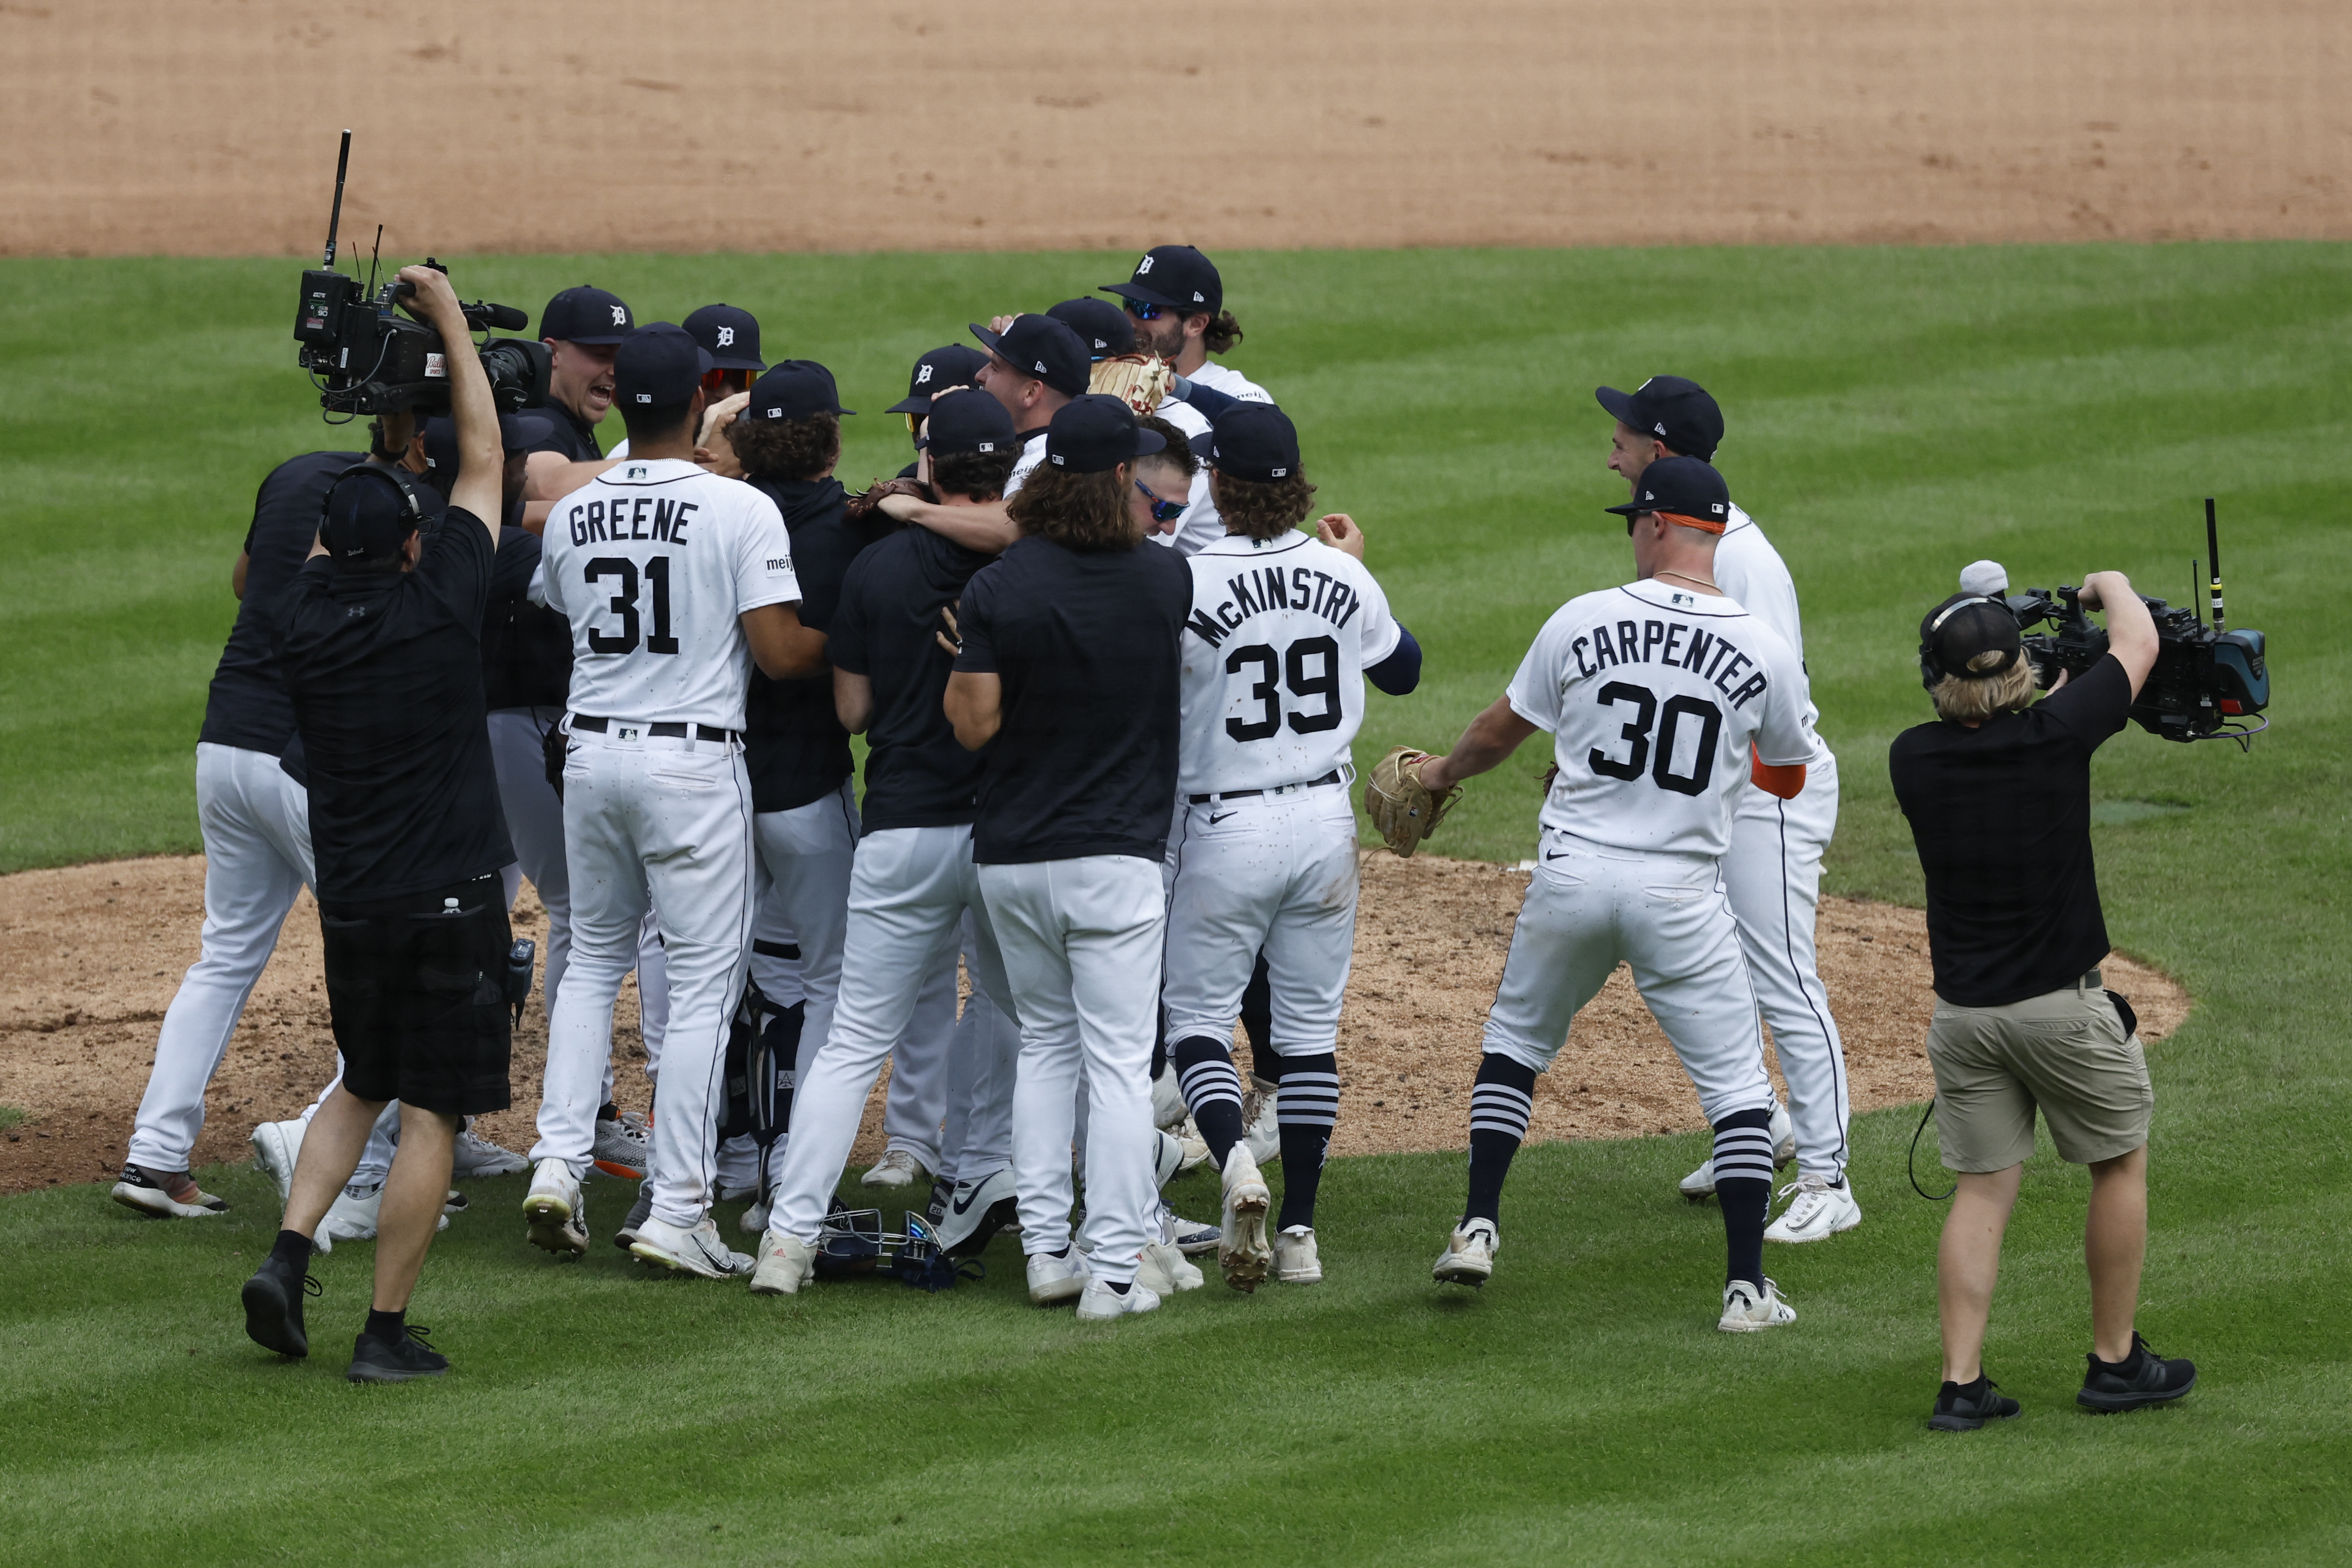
<point>1144,310</point>
<point>1161,511</point>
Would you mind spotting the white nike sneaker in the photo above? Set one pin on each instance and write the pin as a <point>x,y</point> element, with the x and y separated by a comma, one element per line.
<point>1054,1279</point>
<point>895,1168</point>
<point>475,1156</point>
<point>697,1251</point>
<point>1242,1255</point>
<point>1700,1183</point>
<point>1747,1310</point>
<point>555,1212</point>
<point>1260,1131</point>
<point>1295,1259</point>
<point>1784,1135</point>
<point>1818,1212</point>
<point>1167,1158</point>
<point>624,1146</point>
<point>276,1146</point>
<point>1166,1272</point>
<point>1186,1236</point>
<point>1469,1255</point>
<point>975,1212</point>
<point>1196,1147</point>
<point>1101,1303</point>
<point>786,1263</point>
<point>175,1195</point>
<point>1169,1110</point>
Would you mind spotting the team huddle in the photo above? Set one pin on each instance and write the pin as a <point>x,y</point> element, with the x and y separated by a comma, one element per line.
<point>1109,668</point>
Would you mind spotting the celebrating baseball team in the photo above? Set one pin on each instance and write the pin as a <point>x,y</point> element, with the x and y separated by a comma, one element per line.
<point>1109,667</point>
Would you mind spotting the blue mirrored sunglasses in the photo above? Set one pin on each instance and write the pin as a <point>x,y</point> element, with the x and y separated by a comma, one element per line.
<point>1144,310</point>
<point>1161,511</point>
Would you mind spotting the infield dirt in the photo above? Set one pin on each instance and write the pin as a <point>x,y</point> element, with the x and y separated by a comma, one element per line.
<point>135,127</point>
<point>90,956</point>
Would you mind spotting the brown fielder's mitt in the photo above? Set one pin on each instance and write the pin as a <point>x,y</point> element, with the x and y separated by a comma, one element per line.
<point>1401,808</point>
<point>1138,380</point>
<point>864,507</point>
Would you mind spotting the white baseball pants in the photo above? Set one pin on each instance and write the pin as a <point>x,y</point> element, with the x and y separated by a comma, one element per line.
<point>1666,917</point>
<point>908,892</point>
<point>984,1062</point>
<point>915,1110</point>
<point>1275,874</point>
<point>1081,941</point>
<point>651,822</point>
<point>1774,874</point>
<point>805,855</point>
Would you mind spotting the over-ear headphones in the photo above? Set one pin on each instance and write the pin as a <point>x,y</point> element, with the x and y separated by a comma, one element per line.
<point>1930,669</point>
<point>411,505</point>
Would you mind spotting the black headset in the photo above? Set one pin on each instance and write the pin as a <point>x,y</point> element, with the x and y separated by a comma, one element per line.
<point>1931,672</point>
<point>411,505</point>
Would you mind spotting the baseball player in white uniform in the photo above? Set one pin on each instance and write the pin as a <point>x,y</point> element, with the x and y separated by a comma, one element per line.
<point>1773,867</point>
<point>1283,628</point>
<point>1663,698</point>
<point>674,582</point>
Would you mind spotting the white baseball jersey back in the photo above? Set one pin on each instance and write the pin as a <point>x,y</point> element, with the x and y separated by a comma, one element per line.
<point>1751,571</point>
<point>1230,381</point>
<point>1033,452</point>
<point>651,563</point>
<point>1655,695</point>
<point>1274,661</point>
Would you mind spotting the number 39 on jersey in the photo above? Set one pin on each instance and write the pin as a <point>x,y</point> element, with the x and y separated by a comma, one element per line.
<point>1656,697</point>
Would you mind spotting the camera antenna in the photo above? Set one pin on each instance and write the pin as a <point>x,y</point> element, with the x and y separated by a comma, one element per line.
<point>373,255</point>
<point>2196,611</point>
<point>2213,555</point>
<point>335,214</point>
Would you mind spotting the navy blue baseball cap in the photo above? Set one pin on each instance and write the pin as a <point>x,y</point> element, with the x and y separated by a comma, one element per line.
<point>953,366</point>
<point>1677,412</point>
<point>730,334</point>
<point>1042,347</point>
<point>370,511</point>
<point>586,315</point>
<point>967,420</point>
<point>1683,490</point>
<point>1094,433</point>
<point>1175,277</point>
<point>1103,325</point>
<point>794,389</point>
<point>1253,441</point>
<point>658,366</point>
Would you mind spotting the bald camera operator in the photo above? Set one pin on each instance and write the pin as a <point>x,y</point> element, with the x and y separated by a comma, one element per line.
<point>1998,791</point>
<point>378,643</point>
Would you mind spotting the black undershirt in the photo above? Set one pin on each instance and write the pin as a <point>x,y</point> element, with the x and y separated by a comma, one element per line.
<point>793,745</point>
<point>247,705</point>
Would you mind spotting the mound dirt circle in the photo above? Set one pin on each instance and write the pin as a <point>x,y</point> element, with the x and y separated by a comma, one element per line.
<point>90,956</point>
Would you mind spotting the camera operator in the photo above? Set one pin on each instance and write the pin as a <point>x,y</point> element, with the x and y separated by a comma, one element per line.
<point>380,645</point>
<point>1999,797</point>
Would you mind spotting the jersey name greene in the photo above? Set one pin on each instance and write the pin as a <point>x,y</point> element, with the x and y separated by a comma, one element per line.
<point>1656,699</point>
<point>1273,656</point>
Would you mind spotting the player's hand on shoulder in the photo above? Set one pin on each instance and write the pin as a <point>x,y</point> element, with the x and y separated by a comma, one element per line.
<point>1339,530</point>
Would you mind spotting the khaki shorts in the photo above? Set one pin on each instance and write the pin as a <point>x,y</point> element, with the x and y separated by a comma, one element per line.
<point>2064,1052</point>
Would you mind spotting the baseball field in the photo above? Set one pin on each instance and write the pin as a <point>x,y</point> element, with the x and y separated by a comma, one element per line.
<point>1895,414</point>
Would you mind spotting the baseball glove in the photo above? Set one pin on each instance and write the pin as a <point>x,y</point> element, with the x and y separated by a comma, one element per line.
<point>1400,806</point>
<point>1138,380</point>
<point>864,511</point>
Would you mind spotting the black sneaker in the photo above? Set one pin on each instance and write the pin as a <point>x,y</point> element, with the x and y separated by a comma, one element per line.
<point>1965,1406</point>
<point>2143,1377</point>
<point>273,1308</point>
<point>398,1360</point>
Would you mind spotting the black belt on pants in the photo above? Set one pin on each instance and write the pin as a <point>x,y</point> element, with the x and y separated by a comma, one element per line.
<point>667,730</point>
<point>1331,777</point>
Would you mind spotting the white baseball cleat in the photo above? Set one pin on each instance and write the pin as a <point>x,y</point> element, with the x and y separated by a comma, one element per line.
<point>173,1196</point>
<point>1166,1270</point>
<point>1469,1255</point>
<point>753,1221</point>
<point>1819,1211</point>
<point>555,1212</point>
<point>1168,1108</point>
<point>1101,1303</point>
<point>1784,1135</point>
<point>352,1216</point>
<point>1242,1254</point>
<point>1747,1310</point>
<point>276,1146</point>
<point>697,1251</point>
<point>1054,1279</point>
<point>624,1146</point>
<point>1260,1130</point>
<point>1184,1235</point>
<point>975,1211</point>
<point>895,1168</point>
<point>1167,1158</point>
<point>786,1263</point>
<point>1196,1147</point>
<point>476,1156</point>
<point>1700,1183</point>
<point>1295,1259</point>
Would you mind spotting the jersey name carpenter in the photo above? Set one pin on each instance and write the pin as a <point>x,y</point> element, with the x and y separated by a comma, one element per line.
<point>1709,655</point>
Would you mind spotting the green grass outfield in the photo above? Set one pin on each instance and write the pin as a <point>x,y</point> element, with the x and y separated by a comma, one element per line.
<point>1895,414</point>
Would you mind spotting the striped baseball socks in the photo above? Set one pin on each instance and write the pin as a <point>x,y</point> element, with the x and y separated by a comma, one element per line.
<point>1743,1185</point>
<point>1204,1070</point>
<point>1305,1108</point>
<point>1501,1100</point>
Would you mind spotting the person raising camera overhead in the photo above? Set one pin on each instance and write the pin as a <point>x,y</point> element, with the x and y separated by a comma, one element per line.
<point>1999,797</point>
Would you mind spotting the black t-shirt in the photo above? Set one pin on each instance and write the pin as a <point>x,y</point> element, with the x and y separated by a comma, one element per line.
<point>574,437</point>
<point>2002,818</point>
<point>1085,761</point>
<point>247,705</point>
<point>794,744</point>
<point>385,671</point>
<point>526,647</point>
<point>916,774</point>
